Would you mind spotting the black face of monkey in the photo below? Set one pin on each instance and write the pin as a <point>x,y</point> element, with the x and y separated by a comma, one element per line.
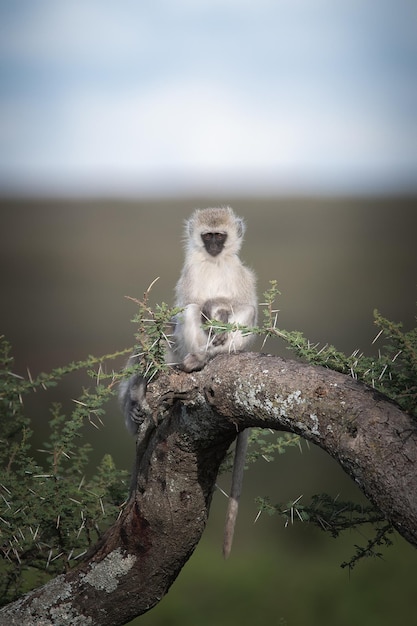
<point>214,242</point>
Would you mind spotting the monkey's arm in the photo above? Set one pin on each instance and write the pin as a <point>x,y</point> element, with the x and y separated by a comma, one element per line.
<point>190,339</point>
<point>243,314</point>
<point>236,490</point>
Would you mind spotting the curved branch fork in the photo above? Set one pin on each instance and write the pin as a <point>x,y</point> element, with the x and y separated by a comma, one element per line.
<point>198,416</point>
<point>371,438</point>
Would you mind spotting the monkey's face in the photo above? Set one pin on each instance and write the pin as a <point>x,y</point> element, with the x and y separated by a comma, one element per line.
<point>214,242</point>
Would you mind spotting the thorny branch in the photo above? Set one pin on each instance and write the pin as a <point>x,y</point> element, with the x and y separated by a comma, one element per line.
<point>138,559</point>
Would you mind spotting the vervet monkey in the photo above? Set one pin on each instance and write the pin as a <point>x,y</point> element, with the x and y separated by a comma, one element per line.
<point>214,285</point>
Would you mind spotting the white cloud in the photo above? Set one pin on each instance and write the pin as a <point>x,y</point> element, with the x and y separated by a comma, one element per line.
<point>178,91</point>
<point>205,131</point>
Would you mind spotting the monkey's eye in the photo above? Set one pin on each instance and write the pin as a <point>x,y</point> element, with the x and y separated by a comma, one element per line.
<point>218,237</point>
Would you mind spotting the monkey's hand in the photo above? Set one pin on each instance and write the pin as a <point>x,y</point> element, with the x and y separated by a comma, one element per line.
<point>222,317</point>
<point>132,396</point>
<point>193,362</point>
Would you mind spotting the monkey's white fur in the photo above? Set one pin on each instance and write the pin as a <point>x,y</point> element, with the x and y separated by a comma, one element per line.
<point>222,278</point>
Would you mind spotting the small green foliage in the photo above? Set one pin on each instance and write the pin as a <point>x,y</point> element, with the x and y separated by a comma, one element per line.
<point>154,329</point>
<point>217,327</point>
<point>51,511</point>
<point>398,363</point>
<point>269,327</point>
<point>266,444</point>
<point>393,372</point>
<point>334,516</point>
<point>381,537</point>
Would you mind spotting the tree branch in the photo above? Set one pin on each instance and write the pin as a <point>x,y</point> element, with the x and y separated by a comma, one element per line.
<point>198,416</point>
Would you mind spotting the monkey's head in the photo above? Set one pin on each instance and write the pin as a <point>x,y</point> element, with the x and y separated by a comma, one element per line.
<point>215,230</point>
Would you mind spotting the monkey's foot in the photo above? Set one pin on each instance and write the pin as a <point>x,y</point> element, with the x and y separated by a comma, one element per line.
<point>192,362</point>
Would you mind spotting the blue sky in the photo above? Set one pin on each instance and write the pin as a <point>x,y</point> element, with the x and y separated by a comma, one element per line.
<point>179,96</point>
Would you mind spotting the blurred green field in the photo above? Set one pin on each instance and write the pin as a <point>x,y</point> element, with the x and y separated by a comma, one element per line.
<point>66,267</point>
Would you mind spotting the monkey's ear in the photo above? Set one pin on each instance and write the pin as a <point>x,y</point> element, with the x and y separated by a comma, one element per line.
<point>240,227</point>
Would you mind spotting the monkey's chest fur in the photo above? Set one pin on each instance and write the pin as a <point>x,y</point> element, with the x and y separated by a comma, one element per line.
<point>213,279</point>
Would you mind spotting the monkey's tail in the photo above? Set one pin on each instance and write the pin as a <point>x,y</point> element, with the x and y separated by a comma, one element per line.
<point>236,490</point>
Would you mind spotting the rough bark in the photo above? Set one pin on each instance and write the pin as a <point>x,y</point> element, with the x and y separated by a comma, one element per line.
<point>198,416</point>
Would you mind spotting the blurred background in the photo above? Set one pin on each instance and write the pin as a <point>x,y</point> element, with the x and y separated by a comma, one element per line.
<point>117,119</point>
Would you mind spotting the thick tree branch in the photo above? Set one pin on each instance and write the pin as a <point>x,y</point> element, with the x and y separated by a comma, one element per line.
<point>198,416</point>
